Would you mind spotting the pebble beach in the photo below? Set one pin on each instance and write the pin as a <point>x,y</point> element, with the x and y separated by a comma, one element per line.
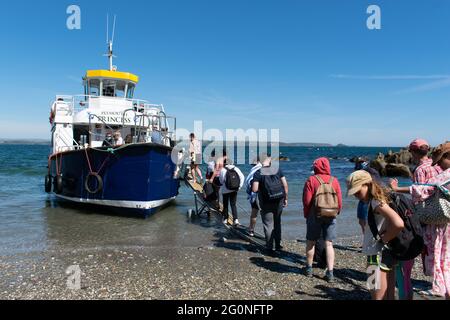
<point>227,268</point>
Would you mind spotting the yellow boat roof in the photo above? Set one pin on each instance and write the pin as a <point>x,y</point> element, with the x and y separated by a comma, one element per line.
<point>112,74</point>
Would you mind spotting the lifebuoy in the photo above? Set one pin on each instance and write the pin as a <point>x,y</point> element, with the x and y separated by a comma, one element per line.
<point>48,183</point>
<point>99,183</point>
<point>58,184</point>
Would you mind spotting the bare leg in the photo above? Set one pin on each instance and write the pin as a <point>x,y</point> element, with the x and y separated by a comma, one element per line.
<point>192,172</point>
<point>330,255</point>
<point>362,223</point>
<point>390,294</point>
<point>380,294</point>
<point>199,172</point>
<point>310,246</point>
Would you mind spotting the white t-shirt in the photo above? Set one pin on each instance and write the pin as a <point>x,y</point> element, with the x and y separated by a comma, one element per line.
<point>195,147</point>
<point>370,245</point>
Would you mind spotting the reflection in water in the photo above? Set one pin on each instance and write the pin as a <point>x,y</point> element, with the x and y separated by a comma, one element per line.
<point>76,227</point>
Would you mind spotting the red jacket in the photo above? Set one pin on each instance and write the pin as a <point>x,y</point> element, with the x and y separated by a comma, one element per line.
<point>322,169</point>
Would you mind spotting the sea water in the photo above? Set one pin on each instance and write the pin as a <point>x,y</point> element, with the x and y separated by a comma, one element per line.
<point>32,220</point>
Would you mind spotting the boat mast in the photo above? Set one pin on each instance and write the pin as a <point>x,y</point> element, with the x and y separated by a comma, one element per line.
<point>110,43</point>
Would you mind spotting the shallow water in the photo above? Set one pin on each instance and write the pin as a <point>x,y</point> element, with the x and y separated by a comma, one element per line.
<point>31,220</point>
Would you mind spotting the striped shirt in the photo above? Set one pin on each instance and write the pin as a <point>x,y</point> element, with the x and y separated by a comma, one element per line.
<point>423,173</point>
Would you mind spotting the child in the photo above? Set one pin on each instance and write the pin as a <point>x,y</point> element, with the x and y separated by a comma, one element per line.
<point>389,224</point>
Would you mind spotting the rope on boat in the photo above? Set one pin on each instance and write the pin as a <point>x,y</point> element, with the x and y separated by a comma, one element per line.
<point>95,174</point>
<point>90,166</point>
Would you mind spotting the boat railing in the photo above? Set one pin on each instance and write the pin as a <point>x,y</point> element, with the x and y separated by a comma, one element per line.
<point>156,124</point>
<point>64,142</point>
<point>81,102</point>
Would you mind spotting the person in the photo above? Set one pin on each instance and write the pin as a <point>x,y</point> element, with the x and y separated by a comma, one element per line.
<point>156,135</point>
<point>109,141</point>
<point>215,166</point>
<point>317,227</point>
<point>210,188</point>
<point>195,151</point>
<point>389,224</point>
<point>252,196</point>
<point>229,176</point>
<point>211,165</point>
<point>129,139</point>
<point>437,237</point>
<point>272,188</point>
<point>363,209</point>
<point>419,149</point>
<point>118,141</point>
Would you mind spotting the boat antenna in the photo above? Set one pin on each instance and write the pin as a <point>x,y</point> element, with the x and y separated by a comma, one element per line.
<point>110,43</point>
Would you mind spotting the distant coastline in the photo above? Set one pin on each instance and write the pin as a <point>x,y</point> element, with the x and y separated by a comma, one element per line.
<point>5,141</point>
<point>25,141</point>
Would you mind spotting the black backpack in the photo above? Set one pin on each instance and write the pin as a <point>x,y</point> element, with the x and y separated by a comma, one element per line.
<point>209,192</point>
<point>232,180</point>
<point>409,242</point>
<point>273,187</point>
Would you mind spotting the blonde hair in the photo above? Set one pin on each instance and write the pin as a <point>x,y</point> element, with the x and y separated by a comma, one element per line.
<point>378,192</point>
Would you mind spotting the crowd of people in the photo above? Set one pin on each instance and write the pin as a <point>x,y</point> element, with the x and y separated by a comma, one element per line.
<point>383,223</point>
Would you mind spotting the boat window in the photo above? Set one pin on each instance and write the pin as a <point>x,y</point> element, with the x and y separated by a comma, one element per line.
<point>130,92</point>
<point>109,88</point>
<point>120,89</point>
<point>94,87</point>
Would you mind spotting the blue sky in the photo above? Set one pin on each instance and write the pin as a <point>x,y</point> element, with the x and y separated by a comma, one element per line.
<point>310,68</point>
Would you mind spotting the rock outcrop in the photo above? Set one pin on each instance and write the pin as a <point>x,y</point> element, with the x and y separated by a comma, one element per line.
<point>393,164</point>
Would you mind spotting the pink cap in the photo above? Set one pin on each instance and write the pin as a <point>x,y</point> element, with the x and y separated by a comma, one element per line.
<point>417,144</point>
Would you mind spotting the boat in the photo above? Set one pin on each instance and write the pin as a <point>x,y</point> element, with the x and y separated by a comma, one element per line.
<point>111,149</point>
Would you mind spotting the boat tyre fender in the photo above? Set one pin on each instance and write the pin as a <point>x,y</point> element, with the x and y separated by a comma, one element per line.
<point>48,183</point>
<point>99,183</point>
<point>58,184</point>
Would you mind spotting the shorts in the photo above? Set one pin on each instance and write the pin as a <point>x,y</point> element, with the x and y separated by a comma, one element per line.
<point>197,159</point>
<point>384,260</point>
<point>315,227</point>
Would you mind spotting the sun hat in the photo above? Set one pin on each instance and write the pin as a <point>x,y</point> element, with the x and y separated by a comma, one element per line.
<point>356,180</point>
<point>418,144</point>
<point>440,151</point>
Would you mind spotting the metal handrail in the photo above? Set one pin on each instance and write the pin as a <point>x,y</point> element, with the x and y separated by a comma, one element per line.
<point>72,99</point>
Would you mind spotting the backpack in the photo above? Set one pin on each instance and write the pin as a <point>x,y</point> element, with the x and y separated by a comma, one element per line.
<point>209,192</point>
<point>326,203</point>
<point>232,180</point>
<point>409,242</point>
<point>273,187</point>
